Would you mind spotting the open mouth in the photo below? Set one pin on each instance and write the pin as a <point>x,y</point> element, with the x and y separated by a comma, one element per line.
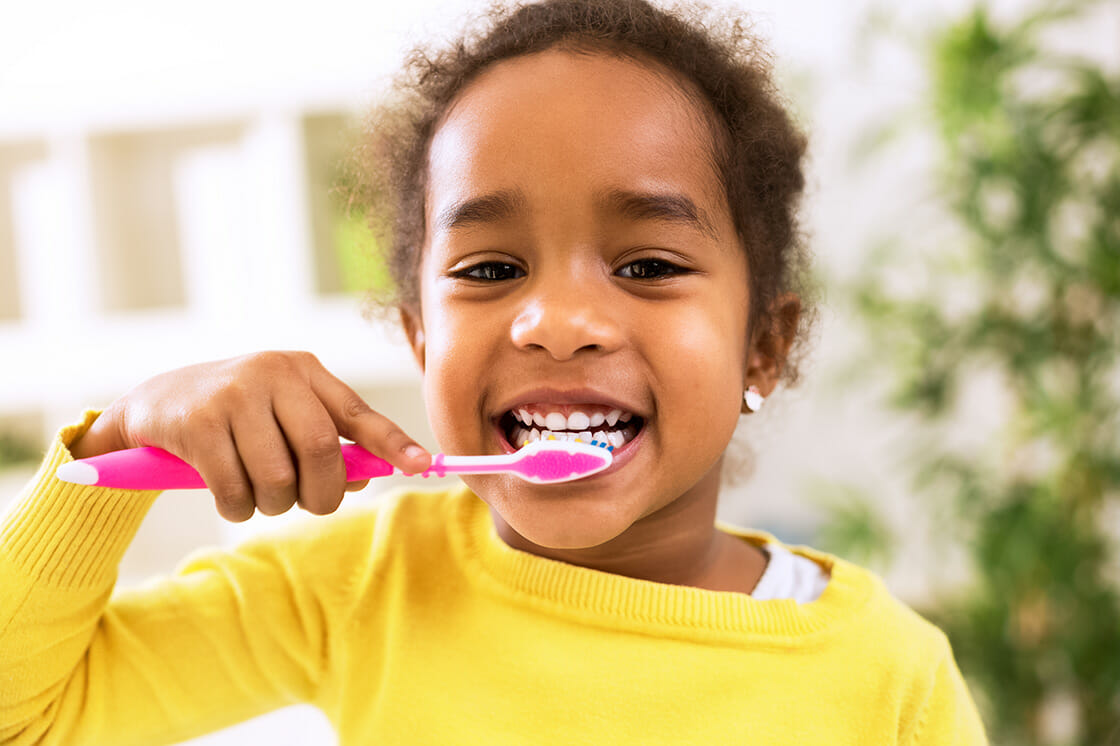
<point>528,423</point>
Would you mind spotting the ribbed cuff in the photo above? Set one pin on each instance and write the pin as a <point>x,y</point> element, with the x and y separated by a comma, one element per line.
<point>71,535</point>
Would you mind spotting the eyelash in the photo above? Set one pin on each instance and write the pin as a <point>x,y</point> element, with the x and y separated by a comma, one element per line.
<point>488,271</point>
<point>470,273</point>
<point>667,269</point>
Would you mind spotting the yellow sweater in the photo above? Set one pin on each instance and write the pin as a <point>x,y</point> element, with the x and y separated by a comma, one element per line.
<point>413,623</point>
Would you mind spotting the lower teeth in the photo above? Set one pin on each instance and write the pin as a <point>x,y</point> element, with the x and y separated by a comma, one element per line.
<point>521,436</point>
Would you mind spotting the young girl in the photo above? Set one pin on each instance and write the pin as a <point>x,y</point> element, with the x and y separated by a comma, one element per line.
<point>593,210</point>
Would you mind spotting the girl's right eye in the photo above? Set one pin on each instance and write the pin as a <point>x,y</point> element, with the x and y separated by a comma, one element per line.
<point>490,272</point>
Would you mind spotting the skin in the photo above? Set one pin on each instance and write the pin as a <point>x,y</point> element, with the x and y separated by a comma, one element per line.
<point>262,430</point>
<point>565,296</point>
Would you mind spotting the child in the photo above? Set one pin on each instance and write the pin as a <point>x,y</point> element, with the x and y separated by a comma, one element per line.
<point>593,230</point>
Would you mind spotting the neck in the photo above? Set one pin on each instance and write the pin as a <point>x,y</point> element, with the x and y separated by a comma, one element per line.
<point>678,544</point>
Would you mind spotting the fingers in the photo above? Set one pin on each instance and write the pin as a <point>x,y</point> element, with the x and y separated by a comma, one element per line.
<point>272,476</point>
<point>221,468</point>
<point>373,431</point>
<point>263,431</point>
<point>312,440</point>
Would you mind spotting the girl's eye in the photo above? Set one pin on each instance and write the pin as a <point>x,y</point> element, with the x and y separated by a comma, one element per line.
<point>650,269</point>
<point>490,272</point>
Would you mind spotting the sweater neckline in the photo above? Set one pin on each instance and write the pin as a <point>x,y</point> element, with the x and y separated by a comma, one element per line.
<point>597,597</point>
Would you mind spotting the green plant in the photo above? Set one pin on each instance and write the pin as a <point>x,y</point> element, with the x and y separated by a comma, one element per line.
<point>361,267</point>
<point>1027,294</point>
<point>15,450</point>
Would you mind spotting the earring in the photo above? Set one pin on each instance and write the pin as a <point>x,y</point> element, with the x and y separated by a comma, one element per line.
<point>753,398</point>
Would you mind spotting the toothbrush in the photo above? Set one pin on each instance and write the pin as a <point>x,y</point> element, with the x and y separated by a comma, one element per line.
<point>540,462</point>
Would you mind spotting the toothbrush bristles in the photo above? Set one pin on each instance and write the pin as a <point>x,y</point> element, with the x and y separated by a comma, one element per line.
<point>599,443</point>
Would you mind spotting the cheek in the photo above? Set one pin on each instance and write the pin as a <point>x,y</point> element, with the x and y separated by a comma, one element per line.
<point>439,360</point>
<point>443,391</point>
<point>705,365</point>
<point>456,355</point>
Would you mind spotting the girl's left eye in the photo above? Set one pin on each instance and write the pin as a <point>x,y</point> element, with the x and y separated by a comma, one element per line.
<point>490,272</point>
<point>650,269</point>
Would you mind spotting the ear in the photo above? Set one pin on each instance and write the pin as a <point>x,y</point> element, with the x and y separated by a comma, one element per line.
<point>414,328</point>
<point>771,342</point>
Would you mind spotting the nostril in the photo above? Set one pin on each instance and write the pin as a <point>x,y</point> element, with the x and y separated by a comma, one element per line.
<point>564,330</point>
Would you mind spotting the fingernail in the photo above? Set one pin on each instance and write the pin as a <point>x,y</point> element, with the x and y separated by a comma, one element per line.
<point>414,451</point>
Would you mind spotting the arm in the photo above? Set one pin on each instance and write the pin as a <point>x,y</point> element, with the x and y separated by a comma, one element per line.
<point>949,716</point>
<point>158,665</point>
<point>230,636</point>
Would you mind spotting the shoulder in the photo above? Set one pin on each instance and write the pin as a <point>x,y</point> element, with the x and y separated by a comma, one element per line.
<point>904,661</point>
<point>389,516</point>
<point>349,544</point>
<point>873,615</point>
<point>857,604</point>
<point>886,628</point>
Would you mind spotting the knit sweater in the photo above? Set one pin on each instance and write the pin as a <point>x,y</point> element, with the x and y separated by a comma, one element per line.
<point>411,622</point>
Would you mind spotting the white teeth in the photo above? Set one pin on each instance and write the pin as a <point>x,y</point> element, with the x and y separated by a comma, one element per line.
<point>578,421</point>
<point>534,426</point>
<point>555,421</point>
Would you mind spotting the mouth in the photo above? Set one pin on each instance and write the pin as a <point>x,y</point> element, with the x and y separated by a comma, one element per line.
<point>587,422</point>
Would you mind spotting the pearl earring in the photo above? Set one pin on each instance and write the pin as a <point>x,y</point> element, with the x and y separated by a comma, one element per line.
<point>753,398</point>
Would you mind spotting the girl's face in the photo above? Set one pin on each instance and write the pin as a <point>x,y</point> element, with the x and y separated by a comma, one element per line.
<point>581,260</point>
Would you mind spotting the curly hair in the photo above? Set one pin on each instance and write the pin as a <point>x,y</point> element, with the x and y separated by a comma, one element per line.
<point>758,149</point>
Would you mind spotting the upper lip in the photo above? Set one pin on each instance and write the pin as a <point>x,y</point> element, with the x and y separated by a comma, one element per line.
<point>567,396</point>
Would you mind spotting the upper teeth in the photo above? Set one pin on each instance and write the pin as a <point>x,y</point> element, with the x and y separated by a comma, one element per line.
<point>577,421</point>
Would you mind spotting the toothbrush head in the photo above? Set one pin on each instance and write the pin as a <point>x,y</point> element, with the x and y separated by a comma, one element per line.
<point>553,461</point>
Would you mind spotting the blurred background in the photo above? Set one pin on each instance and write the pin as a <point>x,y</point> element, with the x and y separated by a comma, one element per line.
<point>165,199</point>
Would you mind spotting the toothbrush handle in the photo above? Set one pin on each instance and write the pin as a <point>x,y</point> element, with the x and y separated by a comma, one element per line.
<point>361,464</point>
<point>156,469</point>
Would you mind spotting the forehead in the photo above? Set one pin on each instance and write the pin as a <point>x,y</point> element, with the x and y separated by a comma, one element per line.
<point>563,120</point>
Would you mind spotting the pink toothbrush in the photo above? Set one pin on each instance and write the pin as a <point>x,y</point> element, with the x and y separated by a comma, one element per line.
<point>542,462</point>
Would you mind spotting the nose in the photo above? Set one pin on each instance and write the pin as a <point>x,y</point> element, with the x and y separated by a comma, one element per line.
<point>565,319</point>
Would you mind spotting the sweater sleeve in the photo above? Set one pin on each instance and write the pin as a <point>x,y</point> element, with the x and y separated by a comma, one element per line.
<point>228,637</point>
<point>949,717</point>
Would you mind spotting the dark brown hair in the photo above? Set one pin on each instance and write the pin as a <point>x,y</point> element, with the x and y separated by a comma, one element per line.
<point>758,150</point>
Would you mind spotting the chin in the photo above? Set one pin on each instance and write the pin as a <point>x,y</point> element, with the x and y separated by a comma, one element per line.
<point>565,536</point>
<point>560,523</point>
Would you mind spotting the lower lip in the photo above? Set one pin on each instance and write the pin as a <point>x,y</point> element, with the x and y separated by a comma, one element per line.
<point>619,456</point>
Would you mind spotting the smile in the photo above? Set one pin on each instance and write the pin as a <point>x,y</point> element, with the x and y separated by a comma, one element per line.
<point>531,422</point>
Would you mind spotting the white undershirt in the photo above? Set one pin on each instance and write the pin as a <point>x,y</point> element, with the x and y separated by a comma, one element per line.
<point>789,575</point>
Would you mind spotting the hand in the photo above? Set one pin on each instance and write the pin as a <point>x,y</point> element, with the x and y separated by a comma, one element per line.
<point>262,430</point>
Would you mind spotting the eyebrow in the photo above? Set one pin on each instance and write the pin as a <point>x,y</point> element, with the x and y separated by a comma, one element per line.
<point>667,206</point>
<point>506,204</point>
<point>488,208</point>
